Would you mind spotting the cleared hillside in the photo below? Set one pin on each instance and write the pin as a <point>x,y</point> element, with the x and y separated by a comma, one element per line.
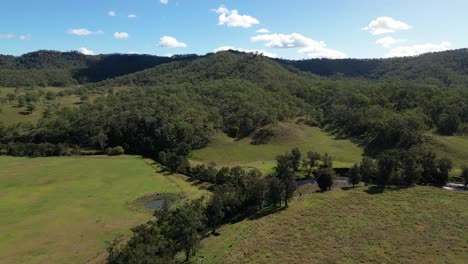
<point>12,113</point>
<point>416,225</point>
<point>225,151</point>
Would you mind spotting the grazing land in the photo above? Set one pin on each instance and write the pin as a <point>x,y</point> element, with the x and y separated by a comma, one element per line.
<point>12,113</point>
<point>226,151</point>
<point>62,210</point>
<point>453,147</point>
<point>416,225</point>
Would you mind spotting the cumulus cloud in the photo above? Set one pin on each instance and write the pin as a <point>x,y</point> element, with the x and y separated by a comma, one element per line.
<point>111,13</point>
<point>164,2</point>
<point>414,50</point>
<point>25,37</point>
<point>132,16</point>
<point>171,42</point>
<point>265,53</point>
<point>232,18</point>
<point>83,32</point>
<point>86,51</point>
<point>383,25</point>
<point>121,35</point>
<point>387,42</point>
<point>7,36</point>
<point>263,30</point>
<point>307,46</point>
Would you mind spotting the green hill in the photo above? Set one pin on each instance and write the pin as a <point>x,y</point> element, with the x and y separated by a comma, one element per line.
<point>454,148</point>
<point>442,68</point>
<point>12,113</point>
<point>225,151</point>
<point>53,68</point>
<point>422,224</point>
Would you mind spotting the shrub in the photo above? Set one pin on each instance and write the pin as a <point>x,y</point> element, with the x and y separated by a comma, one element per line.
<point>115,151</point>
<point>325,179</point>
<point>262,136</point>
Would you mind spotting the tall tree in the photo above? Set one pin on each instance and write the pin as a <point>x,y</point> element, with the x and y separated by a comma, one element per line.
<point>387,165</point>
<point>186,222</point>
<point>289,184</point>
<point>215,209</point>
<point>444,166</point>
<point>464,175</point>
<point>296,159</point>
<point>311,161</point>
<point>274,194</point>
<point>368,170</point>
<point>354,175</point>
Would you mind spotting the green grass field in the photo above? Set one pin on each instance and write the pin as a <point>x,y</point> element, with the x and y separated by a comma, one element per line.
<point>417,225</point>
<point>13,114</point>
<point>62,210</point>
<point>225,151</point>
<point>452,147</point>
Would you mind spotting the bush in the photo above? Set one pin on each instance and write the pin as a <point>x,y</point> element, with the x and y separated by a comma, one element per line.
<point>325,179</point>
<point>115,151</point>
<point>262,136</point>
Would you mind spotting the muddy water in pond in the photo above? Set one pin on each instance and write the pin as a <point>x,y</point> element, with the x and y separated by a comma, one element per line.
<point>158,203</point>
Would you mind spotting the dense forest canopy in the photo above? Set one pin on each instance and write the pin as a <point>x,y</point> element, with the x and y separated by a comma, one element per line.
<point>442,68</point>
<point>53,68</point>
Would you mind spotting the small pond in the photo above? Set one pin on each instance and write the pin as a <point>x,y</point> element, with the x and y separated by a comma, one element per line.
<point>158,203</point>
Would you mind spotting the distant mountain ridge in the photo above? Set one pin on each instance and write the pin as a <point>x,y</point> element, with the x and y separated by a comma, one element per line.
<point>446,67</point>
<point>53,68</point>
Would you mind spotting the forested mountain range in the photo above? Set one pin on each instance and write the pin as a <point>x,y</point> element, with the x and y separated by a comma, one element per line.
<point>441,68</point>
<point>171,108</point>
<point>53,68</point>
<point>67,68</point>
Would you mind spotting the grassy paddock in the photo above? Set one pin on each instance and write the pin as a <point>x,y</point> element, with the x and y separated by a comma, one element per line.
<point>453,147</point>
<point>225,151</point>
<point>13,114</point>
<point>417,225</point>
<point>62,210</point>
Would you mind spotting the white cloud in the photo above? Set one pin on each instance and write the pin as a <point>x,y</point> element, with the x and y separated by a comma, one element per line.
<point>121,35</point>
<point>26,37</point>
<point>265,53</point>
<point>86,51</point>
<point>383,25</point>
<point>307,46</point>
<point>387,42</point>
<point>232,18</point>
<point>83,32</point>
<point>171,42</point>
<point>7,36</point>
<point>164,2</point>
<point>263,30</point>
<point>132,16</point>
<point>414,50</point>
<point>111,13</point>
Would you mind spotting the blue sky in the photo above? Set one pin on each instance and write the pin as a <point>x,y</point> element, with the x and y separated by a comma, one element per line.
<point>296,28</point>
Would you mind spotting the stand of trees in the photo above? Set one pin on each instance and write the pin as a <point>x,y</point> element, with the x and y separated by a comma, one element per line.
<point>405,168</point>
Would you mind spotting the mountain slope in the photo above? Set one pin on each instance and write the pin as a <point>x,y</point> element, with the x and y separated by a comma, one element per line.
<point>350,226</point>
<point>53,68</point>
<point>444,68</point>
